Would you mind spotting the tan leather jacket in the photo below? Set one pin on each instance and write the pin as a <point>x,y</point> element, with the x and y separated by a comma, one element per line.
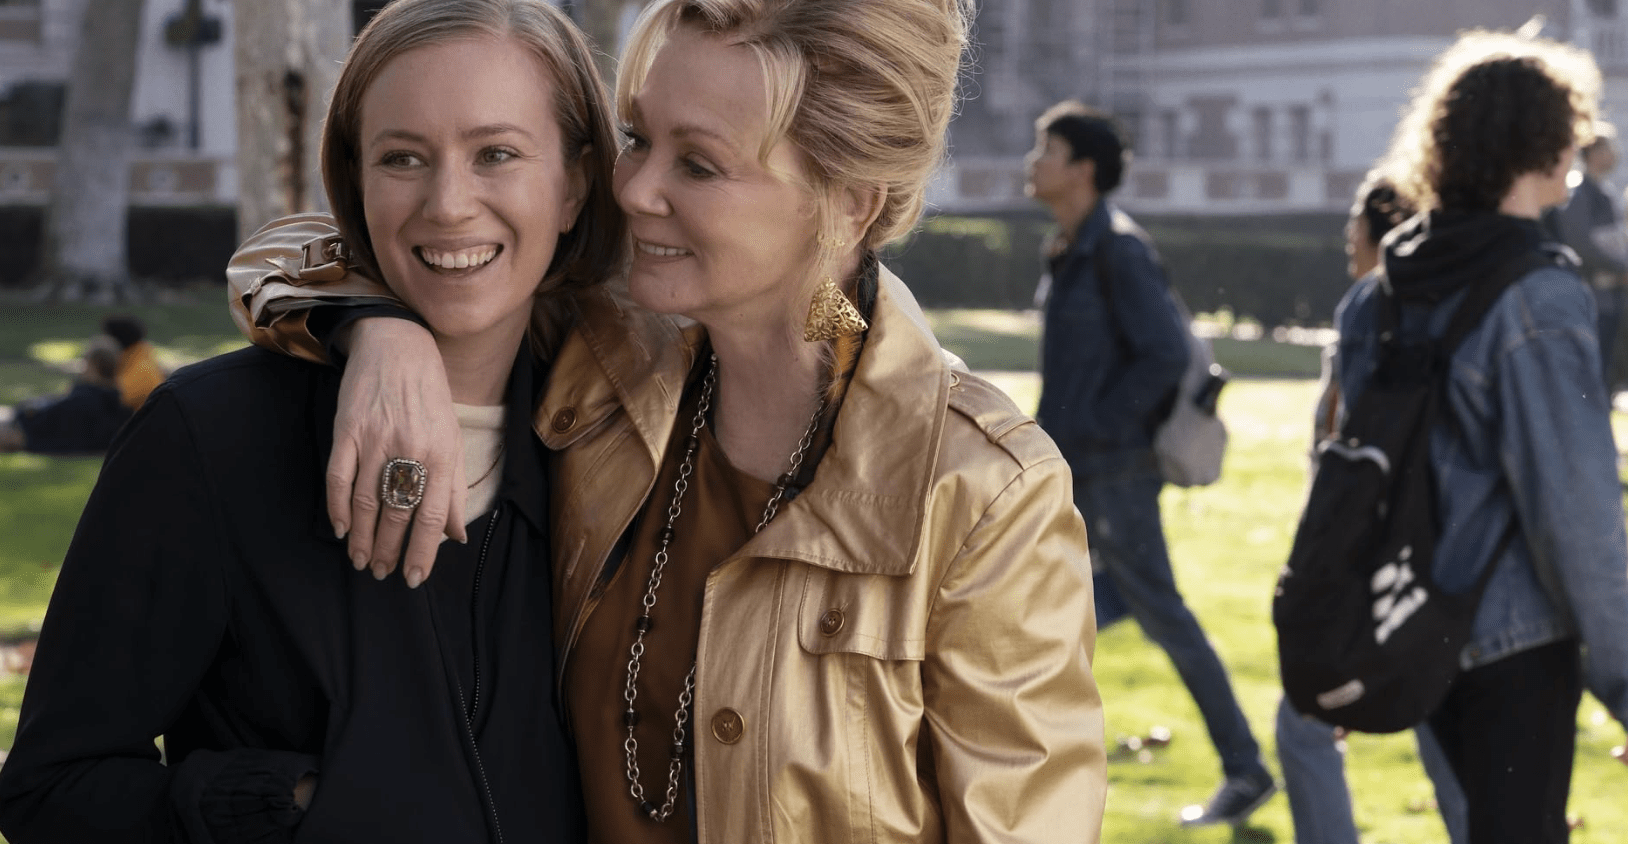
<point>904,653</point>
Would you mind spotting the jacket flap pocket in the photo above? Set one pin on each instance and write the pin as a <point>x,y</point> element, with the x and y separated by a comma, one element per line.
<point>859,614</point>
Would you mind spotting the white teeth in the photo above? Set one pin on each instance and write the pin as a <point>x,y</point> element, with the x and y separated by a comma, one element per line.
<point>457,260</point>
<point>662,251</point>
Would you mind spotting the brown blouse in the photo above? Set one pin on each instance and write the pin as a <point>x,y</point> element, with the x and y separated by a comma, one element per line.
<point>718,514</point>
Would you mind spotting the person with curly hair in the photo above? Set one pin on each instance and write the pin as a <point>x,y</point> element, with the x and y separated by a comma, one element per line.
<point>1525,448</point>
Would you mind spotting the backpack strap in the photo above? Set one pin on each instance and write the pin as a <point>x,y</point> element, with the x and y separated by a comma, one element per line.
<point>1478,299</point>
<point>1481,297</point>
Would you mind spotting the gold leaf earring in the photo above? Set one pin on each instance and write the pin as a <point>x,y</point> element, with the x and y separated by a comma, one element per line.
<point>831,315</point>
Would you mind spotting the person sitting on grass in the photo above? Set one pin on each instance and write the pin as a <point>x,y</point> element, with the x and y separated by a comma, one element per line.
<point>82,421</point>
<point>139,371</point>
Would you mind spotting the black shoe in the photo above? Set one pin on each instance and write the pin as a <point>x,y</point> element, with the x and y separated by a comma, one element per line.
<point>1233,802</point>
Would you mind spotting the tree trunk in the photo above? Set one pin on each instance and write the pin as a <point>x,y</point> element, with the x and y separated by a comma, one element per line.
<point>288,55</point>
<point>601,21</point>
<point>85,251</point>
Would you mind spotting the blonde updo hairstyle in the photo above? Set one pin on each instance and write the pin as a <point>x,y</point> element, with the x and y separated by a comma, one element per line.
<point>593,249</point>
<point>864,89</point>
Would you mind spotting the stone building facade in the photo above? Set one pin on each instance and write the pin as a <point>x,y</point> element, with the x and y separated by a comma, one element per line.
<point>1237,106</point>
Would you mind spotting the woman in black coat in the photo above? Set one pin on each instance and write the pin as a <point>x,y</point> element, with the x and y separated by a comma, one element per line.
<point>204,600</point>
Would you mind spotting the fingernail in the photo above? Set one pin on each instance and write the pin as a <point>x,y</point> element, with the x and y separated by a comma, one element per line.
<point>358,560</point>
<point>340,530</point>
<point>379,573</point>
<point>415,577</point>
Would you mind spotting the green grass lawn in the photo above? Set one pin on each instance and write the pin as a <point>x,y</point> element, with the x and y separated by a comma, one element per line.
<point>1227,542</point>
<point>1005,341</point>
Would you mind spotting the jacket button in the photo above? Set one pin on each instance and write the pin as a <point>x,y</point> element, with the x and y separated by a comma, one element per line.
<point>831,622</point>
<point>564,419</point>
<point>727,726</point>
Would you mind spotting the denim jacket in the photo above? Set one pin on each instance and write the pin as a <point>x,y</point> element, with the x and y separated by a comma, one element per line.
<point>1532,443</point>
<point>1108,363</point>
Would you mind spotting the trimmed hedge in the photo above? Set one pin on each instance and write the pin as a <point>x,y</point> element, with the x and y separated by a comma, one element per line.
<point>1279,270</point>
<point>179,245</point>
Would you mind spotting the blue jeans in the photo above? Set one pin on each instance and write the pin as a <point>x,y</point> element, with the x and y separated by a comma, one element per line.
<point>1314,777</point>
<point>1118,494</point>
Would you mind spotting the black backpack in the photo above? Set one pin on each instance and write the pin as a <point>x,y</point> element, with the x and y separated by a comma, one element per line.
<point>1366,639</point>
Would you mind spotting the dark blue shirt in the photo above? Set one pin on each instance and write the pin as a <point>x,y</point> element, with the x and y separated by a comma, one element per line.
<point>1113,352</point>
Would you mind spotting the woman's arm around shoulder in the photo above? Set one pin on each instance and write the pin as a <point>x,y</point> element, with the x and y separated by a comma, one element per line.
<point>394,402</point>
<point>284,272</point>
<point>1014,715</point>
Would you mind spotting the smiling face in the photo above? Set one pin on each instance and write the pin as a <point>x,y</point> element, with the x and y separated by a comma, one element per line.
<point>719,236</point>
<point>464,183</point>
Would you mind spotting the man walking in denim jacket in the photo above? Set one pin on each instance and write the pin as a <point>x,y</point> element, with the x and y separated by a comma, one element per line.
<point>1113,351</point>
<point>1483,149</point>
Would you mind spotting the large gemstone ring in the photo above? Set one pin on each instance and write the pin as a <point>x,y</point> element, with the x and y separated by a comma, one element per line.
<point>402,487</point>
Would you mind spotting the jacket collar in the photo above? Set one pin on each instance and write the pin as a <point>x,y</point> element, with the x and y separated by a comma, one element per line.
<point>617,356</point>
<point>1091,230</point>
<point>866,509</point>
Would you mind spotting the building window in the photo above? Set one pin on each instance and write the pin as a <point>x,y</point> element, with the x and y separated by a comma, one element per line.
<point>1311,8</point>
<point>1169,137</point>
<point>1271,9</point>
<point>1130,126</point>
<point>1300,133</point>
<point>21,22</point>
<point>1176,12</point>
<point>1263,133</point>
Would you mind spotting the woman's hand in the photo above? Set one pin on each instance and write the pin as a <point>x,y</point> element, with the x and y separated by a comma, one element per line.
<point>395,402</point>
<point>303,791</point>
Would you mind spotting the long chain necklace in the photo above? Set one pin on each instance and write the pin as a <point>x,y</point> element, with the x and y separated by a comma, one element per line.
<point>641,626</point>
